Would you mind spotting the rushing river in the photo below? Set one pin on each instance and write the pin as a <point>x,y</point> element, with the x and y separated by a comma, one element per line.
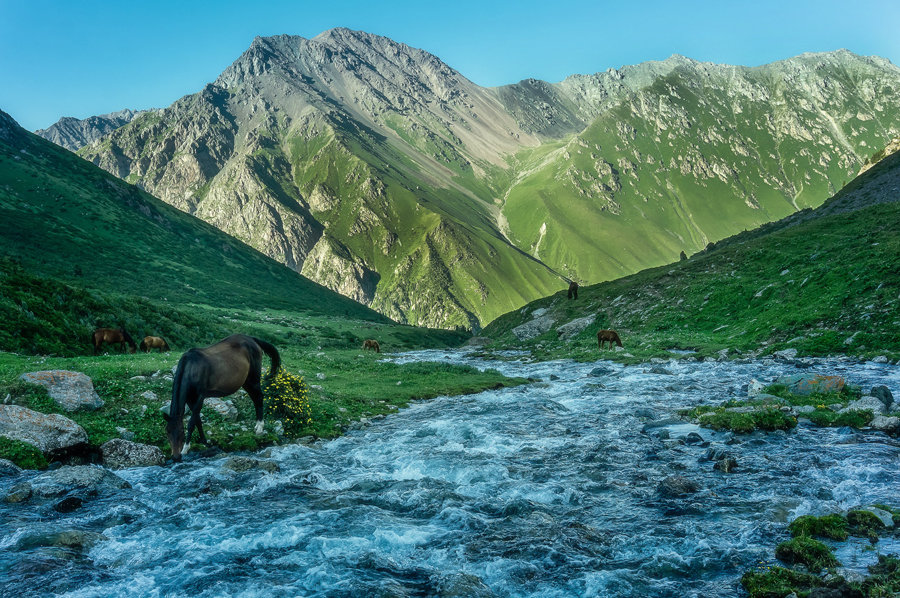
<point>548,489</point>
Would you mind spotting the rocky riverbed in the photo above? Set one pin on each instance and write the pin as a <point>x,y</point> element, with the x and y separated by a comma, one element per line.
<point>584,483</point>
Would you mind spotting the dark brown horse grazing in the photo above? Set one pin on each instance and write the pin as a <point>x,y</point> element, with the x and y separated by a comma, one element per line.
<point>608,335</point>
<point>112,336</point>
<point>371,344</point>
<point>216,371</point>
<point>154,342</point>
<point>573,290</point>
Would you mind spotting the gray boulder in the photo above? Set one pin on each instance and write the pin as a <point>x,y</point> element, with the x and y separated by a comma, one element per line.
<point>75,539</point>
<point>601,370</point>
<point>71,390</point>
<point>535,327</point>
<point>224,408</point>
<point>49,433</point>
<point>19,493</point>
<point>89,480</point>
<point>883,393</point>
<point>573,328</point>
<point>676,485</point>
<point>866,404</point>
<point>786,354</point>
<point>119,453</point>
<point>804,384</point>
<point>242,464</point>
<point>890,425</point>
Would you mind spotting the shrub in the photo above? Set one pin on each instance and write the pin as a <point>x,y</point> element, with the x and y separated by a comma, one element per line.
<point>806,551</point>
<point>287,399</point>
<point>22,454</point>
<point>854,419</point>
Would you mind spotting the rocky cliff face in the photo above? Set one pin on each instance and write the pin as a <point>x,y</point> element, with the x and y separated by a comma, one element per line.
<point>74,133</point>
<point>382,173</point>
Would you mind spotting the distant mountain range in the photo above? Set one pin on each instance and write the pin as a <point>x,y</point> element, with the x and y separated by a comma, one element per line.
<point>380,172</point>
<point>73,133</point>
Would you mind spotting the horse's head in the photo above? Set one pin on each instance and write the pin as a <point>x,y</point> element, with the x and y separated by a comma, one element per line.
<point>128,339</point>
<point>144,345</point>
<point>175,434</point>
<point>166,346</point>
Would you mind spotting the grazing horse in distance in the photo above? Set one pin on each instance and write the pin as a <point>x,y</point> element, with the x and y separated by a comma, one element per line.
<point>371,344</point>
<point>154,342</point>
<point>608,335</point>
<point>216,371</point>
<point>573,290</point>
<point>112,336</point>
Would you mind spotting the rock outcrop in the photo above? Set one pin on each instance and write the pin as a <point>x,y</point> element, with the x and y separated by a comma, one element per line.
<point>50,433</point>
<point>72,391</point>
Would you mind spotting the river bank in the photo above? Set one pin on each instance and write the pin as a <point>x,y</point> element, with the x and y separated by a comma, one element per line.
<point>555,488</point>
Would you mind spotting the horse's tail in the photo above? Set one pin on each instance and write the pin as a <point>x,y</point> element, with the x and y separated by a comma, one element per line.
<point>272,352</point>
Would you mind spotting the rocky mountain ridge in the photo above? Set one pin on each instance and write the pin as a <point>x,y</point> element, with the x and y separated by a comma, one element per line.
<point>74,133</point>
<point>381,172</point>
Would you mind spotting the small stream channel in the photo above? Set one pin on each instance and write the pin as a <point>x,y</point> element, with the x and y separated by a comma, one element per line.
<point>548,490</point>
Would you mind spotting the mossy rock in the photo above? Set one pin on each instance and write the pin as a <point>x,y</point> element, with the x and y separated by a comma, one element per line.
<point>777,582</point>
<point>832,526</point>
<point>811,553</point>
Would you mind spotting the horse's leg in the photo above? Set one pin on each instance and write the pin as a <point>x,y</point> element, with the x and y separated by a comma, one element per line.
<point>254,389</point>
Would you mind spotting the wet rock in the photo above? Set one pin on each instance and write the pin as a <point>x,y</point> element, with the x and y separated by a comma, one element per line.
<point>19,493</point>
<point>88,480</point>
<point>889,425</point>
<point>693,438</point>
<point>804,384</point>
<point>754,388</point>
<point>658,369</point>
<point>886,518</point>
<point>241,464</point>
<point>76,539</point>
<point>601,370</point>
<point>571,329</point>
<point>677,485</point>
<point>645,413</point>
<point>224,408</point>
<point>726,464</point>
<point>715,454</point>
<point>7,468</point>
<point>865,404</point>
<point>883,394</point>
<point>49,433</point>
<point>119,453</point>
<point>460,585</point>
<point>69,504</point>
<point>72,391</point>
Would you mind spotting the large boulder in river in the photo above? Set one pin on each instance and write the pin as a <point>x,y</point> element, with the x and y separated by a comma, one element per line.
<point>119,453</point>
<point>889,425</point>
<point>883,393</point>
<point>804,384</point>
<point>90,480</point>
<point>677,485</point>
<point>50,433</point>
<point>71,390</point>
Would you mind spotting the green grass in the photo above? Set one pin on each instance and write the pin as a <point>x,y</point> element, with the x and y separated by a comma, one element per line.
<point>22,454</point>
<point>356,384</point>
<point>717,418</point>
<point>812,287</point>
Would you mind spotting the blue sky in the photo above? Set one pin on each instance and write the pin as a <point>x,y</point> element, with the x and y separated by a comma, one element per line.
<point>79,58</point>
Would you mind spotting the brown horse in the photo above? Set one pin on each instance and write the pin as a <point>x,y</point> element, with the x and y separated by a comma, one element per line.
<point>573,290</point>
<point>216,371</point>
<point>112,336</point>
<point>154,342</point>
<point>608,335</point>
<point>371,344</point>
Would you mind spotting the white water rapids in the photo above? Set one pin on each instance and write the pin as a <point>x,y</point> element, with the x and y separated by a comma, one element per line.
<point>548,489</point>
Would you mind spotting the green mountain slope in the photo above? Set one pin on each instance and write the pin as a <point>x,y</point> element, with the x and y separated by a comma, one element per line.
<point>380,172</point>
<point>821,281</point>
<point>67,219</point>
